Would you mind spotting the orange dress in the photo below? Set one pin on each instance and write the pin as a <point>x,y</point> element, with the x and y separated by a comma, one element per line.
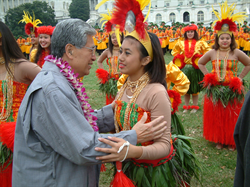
<point>19,90</point>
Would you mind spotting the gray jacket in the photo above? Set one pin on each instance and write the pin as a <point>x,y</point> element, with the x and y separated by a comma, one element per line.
<point>54,144</point>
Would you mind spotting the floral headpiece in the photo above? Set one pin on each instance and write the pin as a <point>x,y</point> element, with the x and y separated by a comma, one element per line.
<point>46,30</point>
<point>226,20</point>
<point>191,27</point>
<point>31,24</point>
<point>128,15</point>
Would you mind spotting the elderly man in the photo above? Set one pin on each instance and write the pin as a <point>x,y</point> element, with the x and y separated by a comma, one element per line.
<point>56,135</point>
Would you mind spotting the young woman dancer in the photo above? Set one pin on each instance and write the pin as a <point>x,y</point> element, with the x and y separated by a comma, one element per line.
<point>145,90</point>
<point>16,73</point>
<point>186,54</point>
<point>223,86</point>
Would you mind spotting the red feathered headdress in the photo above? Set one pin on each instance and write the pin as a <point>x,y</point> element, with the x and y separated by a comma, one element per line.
<point>191,27</point>
<point>232,26</point>
<point>46,30</point>
<point>120,13</point>
<point>227,18</point>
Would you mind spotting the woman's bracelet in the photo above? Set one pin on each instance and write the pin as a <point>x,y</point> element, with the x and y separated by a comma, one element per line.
<point>121,148</point>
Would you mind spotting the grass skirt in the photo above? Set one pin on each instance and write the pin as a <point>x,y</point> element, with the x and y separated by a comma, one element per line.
<point>175,172</point>
<point>178,171</point>
<point>195,76</point>
<point>219,121</point>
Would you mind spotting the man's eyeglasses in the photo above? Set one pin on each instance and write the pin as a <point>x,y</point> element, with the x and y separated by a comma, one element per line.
<point>91,48</point>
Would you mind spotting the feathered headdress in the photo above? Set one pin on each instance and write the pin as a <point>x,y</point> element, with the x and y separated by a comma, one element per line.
<point>31,24</point>
<point>106,18</point>
<point>128,15</point>
<point>190,27</point>
<point>46,30</point>
<point>226,20</point>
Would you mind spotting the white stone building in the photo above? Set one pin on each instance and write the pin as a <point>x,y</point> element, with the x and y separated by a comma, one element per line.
<point>61,7</point>
<point>176,10</point>
<point>161,10</point>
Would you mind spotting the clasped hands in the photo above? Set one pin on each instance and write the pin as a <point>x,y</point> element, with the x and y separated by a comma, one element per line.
<point>145,132</point>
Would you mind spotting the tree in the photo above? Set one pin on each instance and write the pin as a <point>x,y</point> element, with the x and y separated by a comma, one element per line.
<point>79,9</point>
<point>41,10</point>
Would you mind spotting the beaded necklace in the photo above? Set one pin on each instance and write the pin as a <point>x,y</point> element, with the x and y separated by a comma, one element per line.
<point>67,71</point>
<point>217,68</point>
<point>7,90</point>
<point>138,87</point>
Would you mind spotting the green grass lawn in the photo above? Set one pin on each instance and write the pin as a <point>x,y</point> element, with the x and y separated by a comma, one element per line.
<point>218,165</point>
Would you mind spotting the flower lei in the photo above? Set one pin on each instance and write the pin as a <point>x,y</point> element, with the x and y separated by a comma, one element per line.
<point>189,53</point>
<point>67,71</point>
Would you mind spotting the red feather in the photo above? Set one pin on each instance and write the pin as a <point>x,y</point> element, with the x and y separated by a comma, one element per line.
<point>120,179</point>
<point>190,28</point>
<point>236,85</point>
<point>46,30</point>
<point>122,7</point>
<point>102,75</point>
<point>36,33</point>
<point>7,134</point>
<point>231,24</point>
<point>108,26</point>
<point>176,100</point>
<point>210,79</point>
<point>27,28</point>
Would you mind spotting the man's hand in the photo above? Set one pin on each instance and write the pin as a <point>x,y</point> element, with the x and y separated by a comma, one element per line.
<point>149,131</point>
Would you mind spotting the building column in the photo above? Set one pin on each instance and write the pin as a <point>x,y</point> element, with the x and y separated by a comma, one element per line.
<point>7,8</point>
<point>2,5</point>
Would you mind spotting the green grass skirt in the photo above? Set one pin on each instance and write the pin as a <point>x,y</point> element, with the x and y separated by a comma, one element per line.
<point>176,172</point>
<point>195,76</point>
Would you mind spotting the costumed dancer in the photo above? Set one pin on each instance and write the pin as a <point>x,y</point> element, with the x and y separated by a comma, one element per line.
<point>27,46</point>
<point>174,36</point>
<point>224,90</point>
<point>21,42</point>
<point>16,74</point>
<point>144,90</point>
<point>43,49</point>
<point>180,87</point>
<point>186,55</point>
<point>101,42</point>
<point>111,55</point>
<point>31,29</point>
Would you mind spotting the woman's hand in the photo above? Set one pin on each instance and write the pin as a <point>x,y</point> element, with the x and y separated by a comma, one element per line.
<point>116,143</point>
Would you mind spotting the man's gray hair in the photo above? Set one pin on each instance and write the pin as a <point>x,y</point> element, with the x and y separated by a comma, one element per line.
<point>70,31</point>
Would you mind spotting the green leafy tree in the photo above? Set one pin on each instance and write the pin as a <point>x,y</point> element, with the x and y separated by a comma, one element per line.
<point>79,9</point>
<point>41,10</point>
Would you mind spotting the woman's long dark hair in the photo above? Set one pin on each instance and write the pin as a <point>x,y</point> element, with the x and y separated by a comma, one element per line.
<point>40,50</point>
<point>233,44</point>
<point>196,35</point>
<point>10,48</point>
<point>111,44</point>
<point>156,68</point>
